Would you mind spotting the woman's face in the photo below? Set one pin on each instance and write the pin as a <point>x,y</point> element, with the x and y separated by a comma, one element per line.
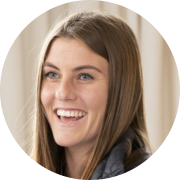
<point>75,84</point>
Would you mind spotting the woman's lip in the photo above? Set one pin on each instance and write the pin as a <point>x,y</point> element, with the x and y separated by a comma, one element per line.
<point>70,109</point>
<point>69,124</point>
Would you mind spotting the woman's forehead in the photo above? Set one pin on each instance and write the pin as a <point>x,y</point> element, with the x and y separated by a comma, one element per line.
<point>71,52</point>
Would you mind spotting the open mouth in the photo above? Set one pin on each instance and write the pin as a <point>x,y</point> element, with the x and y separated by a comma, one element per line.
<point>69,119</point>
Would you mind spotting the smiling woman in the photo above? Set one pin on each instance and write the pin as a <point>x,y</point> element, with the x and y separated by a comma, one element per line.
<point>89,121</point>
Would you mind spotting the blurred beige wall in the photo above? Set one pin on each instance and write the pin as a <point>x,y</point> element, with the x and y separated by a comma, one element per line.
<point>161,81</point>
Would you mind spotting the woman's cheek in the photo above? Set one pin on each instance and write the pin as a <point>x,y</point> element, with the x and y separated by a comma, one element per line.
<point>91,101</point>
<point>47,93</point>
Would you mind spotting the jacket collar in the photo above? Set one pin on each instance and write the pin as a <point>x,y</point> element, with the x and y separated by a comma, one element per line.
<point>113,163</point>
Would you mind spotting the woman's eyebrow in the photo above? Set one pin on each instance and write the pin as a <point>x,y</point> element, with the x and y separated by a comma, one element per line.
<point>75,69</point>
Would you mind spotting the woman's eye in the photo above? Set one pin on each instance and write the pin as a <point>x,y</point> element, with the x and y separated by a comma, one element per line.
<point>85,77</point>
<point>51,75</point>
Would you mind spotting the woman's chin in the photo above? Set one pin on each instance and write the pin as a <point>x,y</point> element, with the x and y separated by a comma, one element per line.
<point>65,142</point>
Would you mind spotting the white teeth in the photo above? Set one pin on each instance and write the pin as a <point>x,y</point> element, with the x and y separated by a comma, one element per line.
<point>67,114</point>
<point>70,113</point>
<point>76,114</point>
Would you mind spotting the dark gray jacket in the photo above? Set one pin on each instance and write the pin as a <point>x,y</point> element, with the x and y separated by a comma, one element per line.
<point>113,163</point>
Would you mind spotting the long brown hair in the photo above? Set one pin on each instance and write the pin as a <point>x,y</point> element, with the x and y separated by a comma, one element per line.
<point>110,37</point>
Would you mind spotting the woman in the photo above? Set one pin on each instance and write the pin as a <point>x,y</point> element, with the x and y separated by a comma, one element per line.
<point>90,121</point>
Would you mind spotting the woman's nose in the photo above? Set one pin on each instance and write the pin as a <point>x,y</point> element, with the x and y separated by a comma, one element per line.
<point>65,91</point>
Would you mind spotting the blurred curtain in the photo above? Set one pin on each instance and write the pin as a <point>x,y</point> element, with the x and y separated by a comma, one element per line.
<point>159,69</point>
